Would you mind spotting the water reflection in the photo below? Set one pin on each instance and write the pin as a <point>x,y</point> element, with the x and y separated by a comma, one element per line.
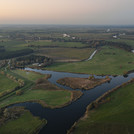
<point>60,120</point>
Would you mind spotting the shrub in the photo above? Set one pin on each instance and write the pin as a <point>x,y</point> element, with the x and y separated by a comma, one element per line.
<point>39,81</point>
<point>107,77</point>
<point>19,92</point>
<point>6,113</point>
<point>2,72</point>
<point>91,77</point>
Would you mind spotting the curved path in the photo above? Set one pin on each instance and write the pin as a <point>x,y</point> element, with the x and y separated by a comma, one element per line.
<point>92,55</point>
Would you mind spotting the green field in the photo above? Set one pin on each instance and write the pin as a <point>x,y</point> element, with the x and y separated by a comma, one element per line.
<point>94,36</point>
<point>113,117</point>
<point>28,75</point>
<point>108,60</point>
<point>50,98</point>
<point>50,95</point>
<point>12,45</point>
<point>44,43</point>
<point>128,42</point>
<point>25,124</point>
<point>66,53</point>
<point>6,83</point>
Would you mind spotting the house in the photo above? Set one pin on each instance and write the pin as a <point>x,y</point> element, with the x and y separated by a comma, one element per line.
<point>35,64</point>
<point>66,35</point>
<point>115,36</point>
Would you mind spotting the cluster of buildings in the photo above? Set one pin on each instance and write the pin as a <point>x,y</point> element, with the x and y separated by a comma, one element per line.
<point>68,36</point>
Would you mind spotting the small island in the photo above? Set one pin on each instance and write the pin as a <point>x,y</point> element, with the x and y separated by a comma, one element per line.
<point>82,83</point>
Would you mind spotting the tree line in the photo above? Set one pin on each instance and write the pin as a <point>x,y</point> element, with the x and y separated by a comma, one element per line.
<point>13,54</point>
<point>27,60</point>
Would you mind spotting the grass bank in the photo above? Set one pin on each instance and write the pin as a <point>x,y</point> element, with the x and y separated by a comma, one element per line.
<point>46,98</point>
<point>40,90</point>
<point>113,116</point>
<point>32,76</point>
<point>6,84</point>
<point>20,121</point>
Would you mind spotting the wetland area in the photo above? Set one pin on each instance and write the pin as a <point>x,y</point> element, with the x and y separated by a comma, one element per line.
<point>62,119</point>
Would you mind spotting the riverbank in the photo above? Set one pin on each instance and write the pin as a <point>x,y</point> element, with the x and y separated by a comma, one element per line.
<point>108,112</point>
<point>66,114</point>
<point>82,83</point>
<point>40,91</point>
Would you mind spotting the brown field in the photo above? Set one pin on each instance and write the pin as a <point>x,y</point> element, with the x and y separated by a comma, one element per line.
<point>82,83</point>
<point>66,54</point>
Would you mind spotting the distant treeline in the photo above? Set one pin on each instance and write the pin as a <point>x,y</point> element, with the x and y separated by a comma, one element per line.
<point>118,44</point>
<point>12,54</point>
<point>27,60</point>
<point>100,43</point>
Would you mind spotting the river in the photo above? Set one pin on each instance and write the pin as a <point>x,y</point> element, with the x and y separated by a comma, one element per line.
<point>61,119</point>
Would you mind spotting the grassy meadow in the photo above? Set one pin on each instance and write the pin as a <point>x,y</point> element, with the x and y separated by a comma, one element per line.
<point>113,117</point>
<point>46,43</point>
<point>128,42</point>
<point>6,83</point>
<point>45,93</point>
<point>45,97</point>
<point>12,45</point>
<point>108,60</point>
<point>28,75</point>
<point>25,124</point>
<point>66,53</point>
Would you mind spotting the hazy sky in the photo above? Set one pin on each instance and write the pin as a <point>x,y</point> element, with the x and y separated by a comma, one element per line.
<point>67,12</point>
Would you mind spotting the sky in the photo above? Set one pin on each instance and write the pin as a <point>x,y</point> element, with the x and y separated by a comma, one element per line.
<point>79,12</point>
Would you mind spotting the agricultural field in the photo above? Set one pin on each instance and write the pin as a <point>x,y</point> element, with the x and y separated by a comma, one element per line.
<point>12,45</point>
<point>66,54</point>
<point>44,97</point>
<point>28,75</point>
<point>49,43</point>
<point>43,92</point>
<point>66,49</point>
<point>128,42</point>
<point>94,36</point>
<point>6,84</point>
<point>26,123</point>
<point>108,60</point>
<point>114,117</point>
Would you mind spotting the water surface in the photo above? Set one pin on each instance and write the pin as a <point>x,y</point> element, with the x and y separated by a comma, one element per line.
<point>60,120</point>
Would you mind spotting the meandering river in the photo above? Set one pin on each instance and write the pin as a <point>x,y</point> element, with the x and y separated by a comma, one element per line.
<point>61,119</point>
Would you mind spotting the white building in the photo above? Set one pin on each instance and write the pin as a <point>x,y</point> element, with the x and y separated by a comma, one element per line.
<point>66,35</point>
<point>115,36</point>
